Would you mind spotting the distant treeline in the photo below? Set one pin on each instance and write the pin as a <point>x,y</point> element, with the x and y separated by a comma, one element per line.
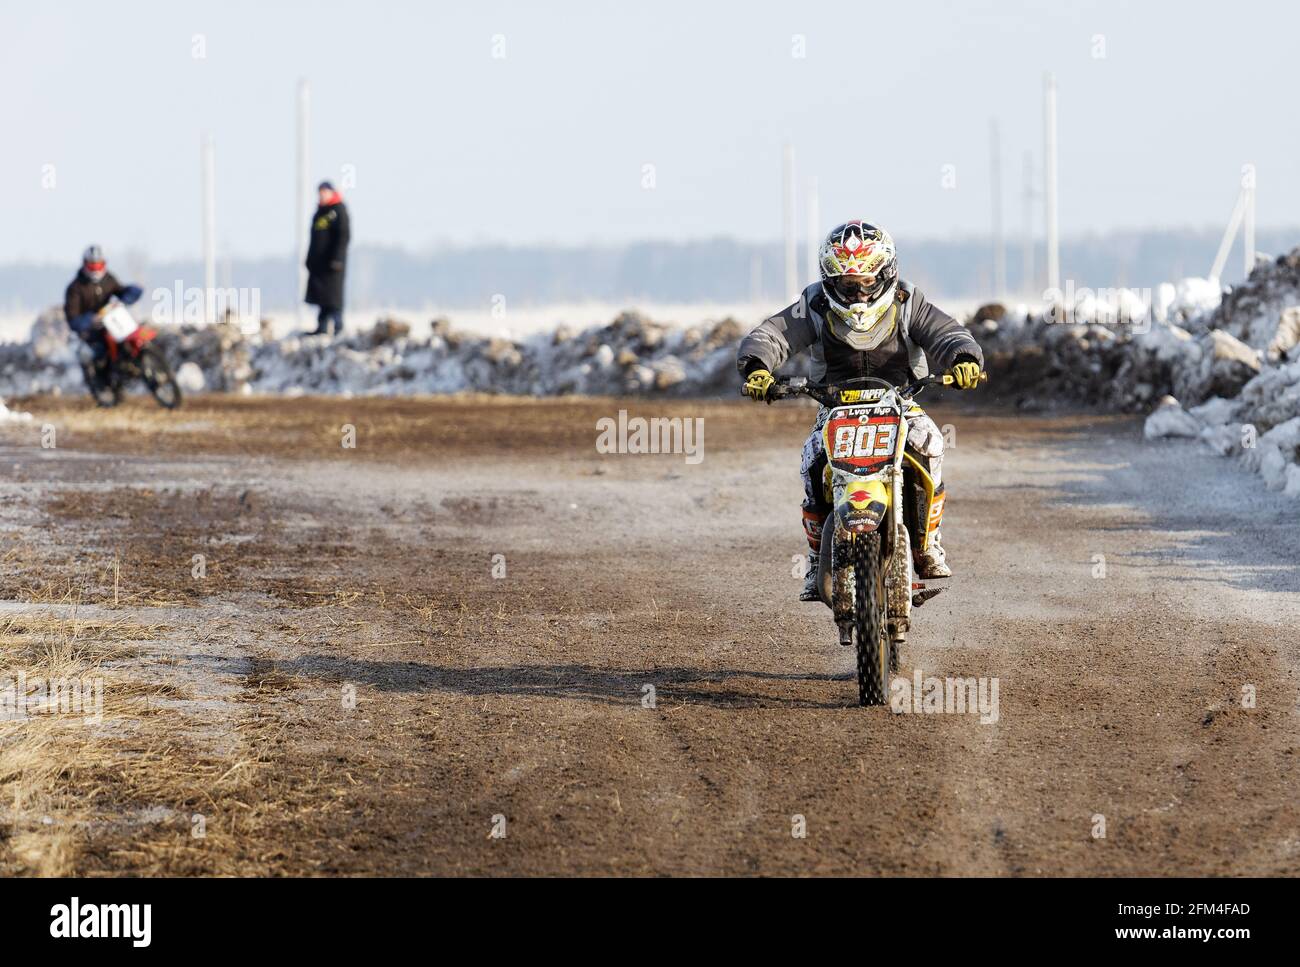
<point>722,270</point>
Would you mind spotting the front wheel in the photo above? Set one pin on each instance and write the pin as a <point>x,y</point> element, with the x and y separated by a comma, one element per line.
<point>104,389</point>
<point>157,375</point>
<point>871,636</point>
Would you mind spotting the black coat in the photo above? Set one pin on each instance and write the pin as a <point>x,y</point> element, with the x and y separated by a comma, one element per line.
<point>85,295</point>
<point>327,256</point>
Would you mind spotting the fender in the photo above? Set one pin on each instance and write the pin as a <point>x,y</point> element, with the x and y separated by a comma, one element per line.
<point>138,338</point>
<point>863,504</point>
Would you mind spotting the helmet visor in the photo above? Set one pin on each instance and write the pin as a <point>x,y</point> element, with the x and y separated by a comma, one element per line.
<point>851,290</point>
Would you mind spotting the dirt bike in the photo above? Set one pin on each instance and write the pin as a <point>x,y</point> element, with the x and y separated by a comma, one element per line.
<point>880,494</point>
<point>129,356</point>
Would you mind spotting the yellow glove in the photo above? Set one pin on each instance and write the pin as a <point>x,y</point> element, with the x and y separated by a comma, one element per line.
<point>966,375</point>
<point>757,385</point>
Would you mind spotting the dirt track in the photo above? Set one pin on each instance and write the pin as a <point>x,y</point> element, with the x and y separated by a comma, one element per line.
<point>332,571</point>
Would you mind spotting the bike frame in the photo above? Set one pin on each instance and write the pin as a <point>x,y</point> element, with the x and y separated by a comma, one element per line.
<point>865,440</point>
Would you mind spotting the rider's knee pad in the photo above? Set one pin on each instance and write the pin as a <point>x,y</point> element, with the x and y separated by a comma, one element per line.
<point>924,436</point>
<point>812,468</point>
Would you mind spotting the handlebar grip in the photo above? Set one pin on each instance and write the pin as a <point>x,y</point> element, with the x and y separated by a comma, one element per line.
<point>948,379</point>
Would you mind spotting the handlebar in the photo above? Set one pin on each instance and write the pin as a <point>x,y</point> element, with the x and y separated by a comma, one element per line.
<point>832,394</point>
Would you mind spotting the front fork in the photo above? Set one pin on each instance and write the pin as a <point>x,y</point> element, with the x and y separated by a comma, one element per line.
<point>896,555</point>
<point>898,582</point>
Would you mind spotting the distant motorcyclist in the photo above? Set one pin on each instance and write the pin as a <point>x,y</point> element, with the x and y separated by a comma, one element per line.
<point>861,319</point>
<point>87,294</point>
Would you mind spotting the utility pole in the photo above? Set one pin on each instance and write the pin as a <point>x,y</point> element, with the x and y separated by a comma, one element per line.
<point>814,231</point>
<point>301,210</point>
<point>1248,225</point>
<point>209,178</point>
<point>788,220</point>
<point>995,197</point>
<point>1028,197</point>
<point>1050,184</point>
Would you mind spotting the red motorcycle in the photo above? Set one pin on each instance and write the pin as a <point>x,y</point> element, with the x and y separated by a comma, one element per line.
<point>130,356</point>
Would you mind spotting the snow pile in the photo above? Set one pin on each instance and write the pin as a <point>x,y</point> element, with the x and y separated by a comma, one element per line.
<point>1118,349</point>
<point>1188,299</point>
<point>9,416</point>
<point>1171,420</point>
<point>1124,350</point>
<point>190,378</point>
<point>1242,396</point>
<point>46,363</point>
<point>1252,311</point>
<point>1260,426</point>
<point>631,355</point>
<point>1221,367</point>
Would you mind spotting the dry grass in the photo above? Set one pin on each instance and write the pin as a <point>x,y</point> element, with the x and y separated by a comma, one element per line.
<point>399,429</point>
<point>64,774</point>
<point>38,750</point>
<point>124,794</point>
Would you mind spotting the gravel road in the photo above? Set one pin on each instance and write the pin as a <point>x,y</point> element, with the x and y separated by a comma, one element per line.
<point>472,644</point>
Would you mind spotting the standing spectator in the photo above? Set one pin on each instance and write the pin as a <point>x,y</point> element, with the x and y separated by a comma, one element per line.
<point>327,259</point>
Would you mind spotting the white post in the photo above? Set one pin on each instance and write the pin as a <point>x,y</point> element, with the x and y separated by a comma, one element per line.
<point>301,209</point>
<point>1029,284</point>
<point>1050,184</point>
<point>788,225</point>
<point>209,229</point>
<point>1229,236</point>
<point>814,231</point>
<point>995,195</point>
<point>1248,223</point>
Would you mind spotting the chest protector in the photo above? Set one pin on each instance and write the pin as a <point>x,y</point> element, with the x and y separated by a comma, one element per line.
<point>831,355</point>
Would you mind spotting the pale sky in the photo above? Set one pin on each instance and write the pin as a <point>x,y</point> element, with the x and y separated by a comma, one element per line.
<point>451,145</point>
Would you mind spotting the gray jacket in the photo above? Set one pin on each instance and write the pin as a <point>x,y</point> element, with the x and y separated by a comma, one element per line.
<point>923,331</point>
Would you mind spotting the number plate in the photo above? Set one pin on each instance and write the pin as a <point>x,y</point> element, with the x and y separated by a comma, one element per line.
<point>119,324</point>
<point>862,438</point>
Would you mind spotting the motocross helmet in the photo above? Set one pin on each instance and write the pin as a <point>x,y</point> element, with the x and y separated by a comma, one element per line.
<point>92,262</point>
<point>859,270</point>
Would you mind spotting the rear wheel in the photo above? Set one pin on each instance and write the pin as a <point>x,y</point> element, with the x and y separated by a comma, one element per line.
<point>157,375</point>
<point>871,636</point>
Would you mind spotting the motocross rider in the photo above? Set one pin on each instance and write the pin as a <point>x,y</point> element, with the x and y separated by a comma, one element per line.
<point>88,293</point>
<point>861,319</point>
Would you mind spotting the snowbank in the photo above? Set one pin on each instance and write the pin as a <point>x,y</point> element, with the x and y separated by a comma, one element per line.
<point>631,355</point>
<point>9,416</point>
<point>1240,395</point>
<point>1218,366</point>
